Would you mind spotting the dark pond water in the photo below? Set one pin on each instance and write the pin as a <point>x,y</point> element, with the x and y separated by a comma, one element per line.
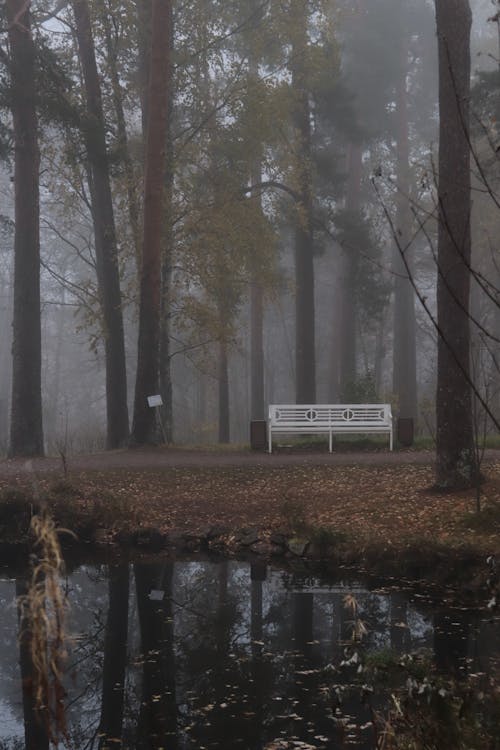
<point>202,655</point>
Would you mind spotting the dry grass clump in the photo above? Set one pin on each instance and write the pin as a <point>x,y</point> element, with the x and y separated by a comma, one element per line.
<point>43,635</point>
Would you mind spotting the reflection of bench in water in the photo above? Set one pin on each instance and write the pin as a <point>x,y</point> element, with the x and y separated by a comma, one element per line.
<point>329,419</point>
<point>339,589</point>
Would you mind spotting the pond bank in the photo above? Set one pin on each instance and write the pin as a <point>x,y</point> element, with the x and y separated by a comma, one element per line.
<point>382,519</point>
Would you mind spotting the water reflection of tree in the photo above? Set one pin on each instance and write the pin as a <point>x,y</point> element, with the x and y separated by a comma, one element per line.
<point>258,670</point>
<point>88,594</point>
<point>115,658</point>
<point>35,723</point>
<point>451,640</point>
<point>224,674</point>
<point>157,724</point>
<point>247,663</point>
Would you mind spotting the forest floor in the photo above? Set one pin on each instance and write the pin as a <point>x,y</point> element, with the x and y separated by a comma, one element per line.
<point>372,508</point>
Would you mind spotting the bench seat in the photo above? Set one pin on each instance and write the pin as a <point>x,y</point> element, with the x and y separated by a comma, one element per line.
<point>329,419</point>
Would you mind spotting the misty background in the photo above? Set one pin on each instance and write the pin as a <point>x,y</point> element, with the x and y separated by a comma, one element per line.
<point>365,59</point>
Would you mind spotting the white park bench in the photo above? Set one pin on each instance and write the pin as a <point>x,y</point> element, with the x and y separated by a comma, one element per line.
<point>329,419</point>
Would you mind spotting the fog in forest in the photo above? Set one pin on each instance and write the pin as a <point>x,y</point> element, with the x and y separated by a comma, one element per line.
<point>301,164</point>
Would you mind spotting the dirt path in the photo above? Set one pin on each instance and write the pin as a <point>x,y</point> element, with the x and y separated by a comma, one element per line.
<point>159,458</point>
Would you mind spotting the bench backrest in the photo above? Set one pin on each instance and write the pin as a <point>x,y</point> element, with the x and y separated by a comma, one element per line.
<point>326,415</point>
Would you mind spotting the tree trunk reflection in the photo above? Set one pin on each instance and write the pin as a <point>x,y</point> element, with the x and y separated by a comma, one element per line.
<point>157,727</point>
<point>115,659</point>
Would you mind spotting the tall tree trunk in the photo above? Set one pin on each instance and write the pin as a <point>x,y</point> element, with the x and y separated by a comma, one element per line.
<point>404,346</point>
<point>108,275</point>
<point>115,659</point>
<point>380,351</point>
<point>166,389</point>
<point>165,362</point>
<point>147,379</point>
<point>456,462</point>
<point>5,355</point>
<point>305,350</point>
<point>333,394</point>
<point>223,380</point>
<point>144,26</point>
<point>257,408</point>
<point>26,431</point>
<point>53,389</point>
<point>349,266</point>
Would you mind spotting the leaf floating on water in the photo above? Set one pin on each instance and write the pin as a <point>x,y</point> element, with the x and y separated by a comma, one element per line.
<point>308,671</point>
<point>289,744</point>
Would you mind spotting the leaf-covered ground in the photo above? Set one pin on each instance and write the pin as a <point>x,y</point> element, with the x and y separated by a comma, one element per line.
<point>391,506</point>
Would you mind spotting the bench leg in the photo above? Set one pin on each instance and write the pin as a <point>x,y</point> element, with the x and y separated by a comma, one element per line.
<point>270,439</point>
<point>390,441</point>
<point>330,442</point>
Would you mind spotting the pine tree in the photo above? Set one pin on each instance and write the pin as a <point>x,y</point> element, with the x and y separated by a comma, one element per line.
<point>456,463</point>
<point>144,429</point>
<point>108,275</point>
<point>26,432</point>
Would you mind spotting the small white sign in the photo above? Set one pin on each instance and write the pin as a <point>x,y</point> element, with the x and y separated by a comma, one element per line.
<point>155,400</point>
<point>156,595</point>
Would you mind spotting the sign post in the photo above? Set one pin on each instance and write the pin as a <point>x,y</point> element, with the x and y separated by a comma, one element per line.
<point>155,402</point>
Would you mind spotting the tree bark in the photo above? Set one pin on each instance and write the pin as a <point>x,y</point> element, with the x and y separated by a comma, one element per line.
<point>305,350</point>
<point>456,461</point>
<point>223,379</point>
<point>404,346</point>
<point>166,388</point>
<point>147,379</point>
<point>5,355</point>
<point>144,25</point>
<point>349,266</point>
<point>108,275</point>
<point>26,429</point>
<point>257,408</point>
